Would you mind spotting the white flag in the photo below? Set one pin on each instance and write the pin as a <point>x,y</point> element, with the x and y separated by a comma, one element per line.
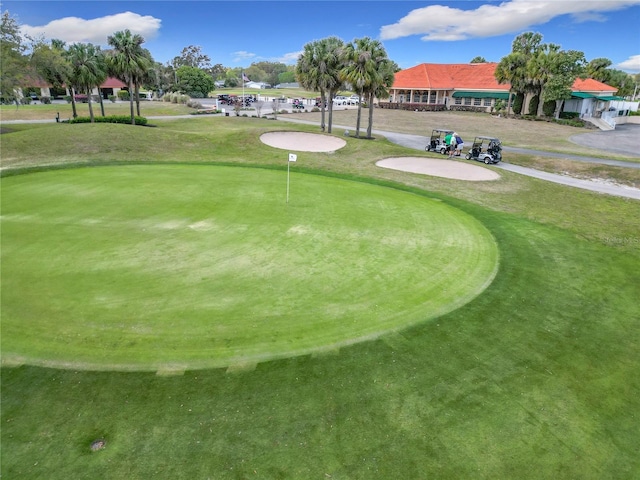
<point>293,157</point>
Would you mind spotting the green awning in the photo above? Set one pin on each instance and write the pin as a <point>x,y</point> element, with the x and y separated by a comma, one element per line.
<point>608,98</point>
<point>582,95</point>
<point>501,95</point>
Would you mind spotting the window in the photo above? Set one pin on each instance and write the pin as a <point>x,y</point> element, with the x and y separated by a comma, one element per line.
<point>487,102</point>
<point>433,98</point>
<point>467,101</point>
<point>477,102</point>
<point>458,101</point>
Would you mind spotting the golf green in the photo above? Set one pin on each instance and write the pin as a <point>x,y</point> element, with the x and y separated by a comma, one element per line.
<point>173,267</point>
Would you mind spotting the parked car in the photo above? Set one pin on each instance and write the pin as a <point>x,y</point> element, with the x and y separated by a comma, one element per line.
<point>354,99</point>
<point>341,100</point>
<point>297,104</point>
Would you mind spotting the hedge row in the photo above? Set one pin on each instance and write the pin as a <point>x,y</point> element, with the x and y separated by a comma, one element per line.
<point>126,119</point>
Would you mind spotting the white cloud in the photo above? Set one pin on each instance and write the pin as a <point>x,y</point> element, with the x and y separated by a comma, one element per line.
<point>632,64</point>
<point>289,58</point>
<point>95,30</point>
<point>242,56</point>
<point>438,22</point>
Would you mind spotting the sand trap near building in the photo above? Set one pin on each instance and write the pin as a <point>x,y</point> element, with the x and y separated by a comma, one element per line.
<point>303,142</point>
<point>439,168</point>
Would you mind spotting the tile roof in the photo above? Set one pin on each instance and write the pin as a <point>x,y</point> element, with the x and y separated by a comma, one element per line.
<point>437,76</point>
<point>591,85</point>
<point>110,82</point>
<point>469,76</point>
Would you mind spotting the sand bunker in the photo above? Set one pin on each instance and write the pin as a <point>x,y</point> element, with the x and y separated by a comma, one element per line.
<point>314,142</point>
<point>303,142</point>
<point>439,168</point>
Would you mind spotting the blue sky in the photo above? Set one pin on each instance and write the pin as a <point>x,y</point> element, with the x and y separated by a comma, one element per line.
<point>237,33</point>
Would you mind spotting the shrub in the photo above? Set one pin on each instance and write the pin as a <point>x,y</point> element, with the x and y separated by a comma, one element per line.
<point>194,104</point>
<point>25,100</point>
<point>67,98</point>
<point>517,103</point>
<point>46,100</point>
<point>569,115</point>
<point>533,105</point>
<point>123,95</point>
<point>126,119</point>
<point>549,108</point>
<point>113,98</point>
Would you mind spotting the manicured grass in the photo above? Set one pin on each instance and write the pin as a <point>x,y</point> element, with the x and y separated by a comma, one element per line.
<point>538,377</point>
<point>164,267</point>
<point>39,111</point>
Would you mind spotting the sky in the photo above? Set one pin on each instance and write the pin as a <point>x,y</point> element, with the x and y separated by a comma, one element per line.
<point>238,33</point>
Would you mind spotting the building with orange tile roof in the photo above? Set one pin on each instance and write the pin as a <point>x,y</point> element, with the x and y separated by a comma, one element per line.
<point>466,86</point>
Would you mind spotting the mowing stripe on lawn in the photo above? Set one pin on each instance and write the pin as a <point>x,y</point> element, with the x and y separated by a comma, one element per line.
<point>173,267</point>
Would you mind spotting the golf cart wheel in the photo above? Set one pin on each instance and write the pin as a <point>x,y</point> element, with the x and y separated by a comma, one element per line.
<point>427,148</point>
<point>487,160</point>
<point>468,157</point>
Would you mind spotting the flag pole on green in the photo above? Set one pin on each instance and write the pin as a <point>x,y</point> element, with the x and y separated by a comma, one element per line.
<point>292,158</point>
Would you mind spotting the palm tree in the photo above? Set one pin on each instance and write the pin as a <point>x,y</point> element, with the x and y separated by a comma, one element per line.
<point>369,71</point>
<point>359,69</point>
<point>510,70</point>
<point>308,75</point>
<point>318,68</point>
<point>87,69</point>
<point>127,60</point>
<point>540,70</point>
<point>379,87</point>
<point>513,68</point>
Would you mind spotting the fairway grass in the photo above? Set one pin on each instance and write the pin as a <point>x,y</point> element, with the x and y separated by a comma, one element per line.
<point>154,267</point>
<point>536,377</point>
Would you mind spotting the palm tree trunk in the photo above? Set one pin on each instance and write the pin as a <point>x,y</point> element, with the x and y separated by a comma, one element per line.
<point>323,101</point>
<point>133,118</point>
<point>509,101</point>
<point>137,88</point>
<point>90,104</point>
<point>73,102</point>
<point>370,126</point>
<point>358,117</point>
<point>101,102</point>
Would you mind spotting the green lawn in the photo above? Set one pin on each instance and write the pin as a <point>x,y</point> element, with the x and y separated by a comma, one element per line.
<point>537,377</point>
<point>159,267</point>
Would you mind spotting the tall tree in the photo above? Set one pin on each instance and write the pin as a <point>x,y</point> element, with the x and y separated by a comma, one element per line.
<point>192,56</point>
<point>566,67</point>
<point>478,60</point>
<point>358,70</point>
<point>51,63</point>
<point>513,68</point>
<point>365,70</point>
<point>540,69</point>
<point>88,69</point>
<point>127,60</point>
<point>318,69</point>
<point>379,87</point>
<point>13,61</point>
<point>598,69</point>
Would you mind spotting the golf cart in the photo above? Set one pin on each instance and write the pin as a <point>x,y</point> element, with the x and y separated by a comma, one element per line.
<point>485,149</point>
<point>437,143</point>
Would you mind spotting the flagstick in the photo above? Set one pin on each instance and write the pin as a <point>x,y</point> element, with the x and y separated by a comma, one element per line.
<point>288,163</point>
<point>292,158</point>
